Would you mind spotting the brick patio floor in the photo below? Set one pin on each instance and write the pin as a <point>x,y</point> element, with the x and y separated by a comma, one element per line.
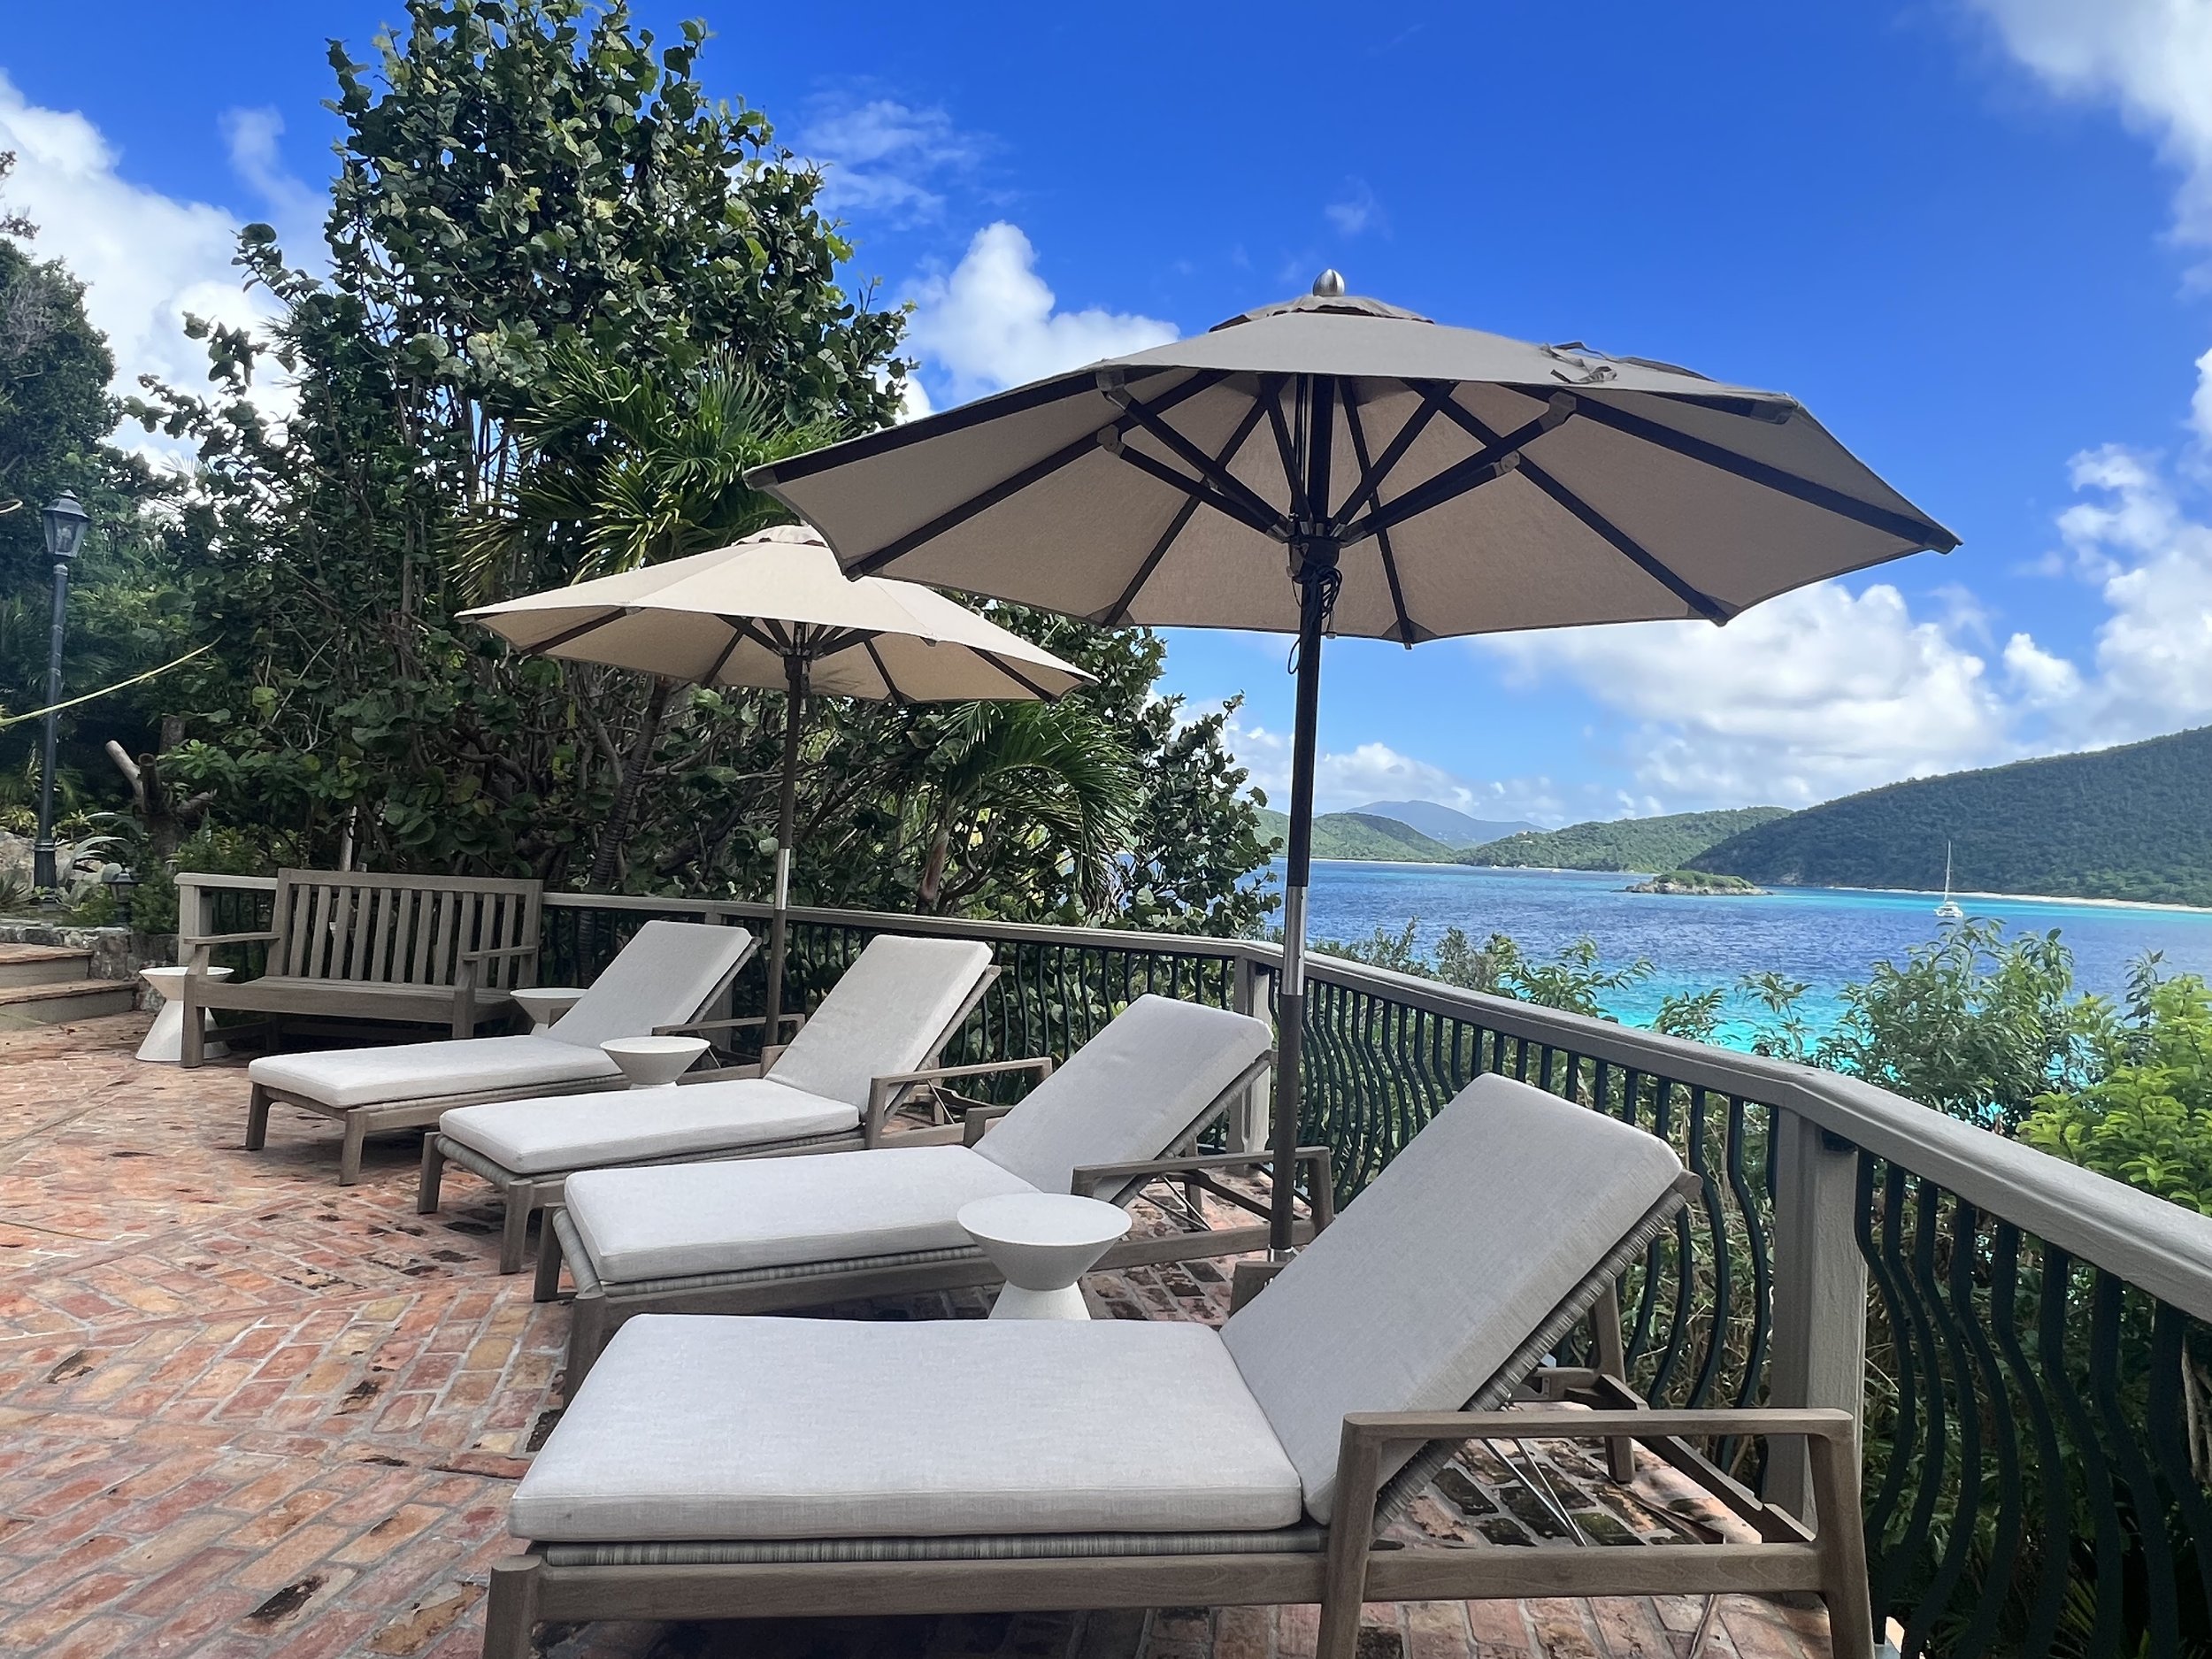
<point>246,1412</point>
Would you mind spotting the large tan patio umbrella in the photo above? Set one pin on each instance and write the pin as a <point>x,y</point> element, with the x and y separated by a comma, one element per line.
<point>774,610</point>
<point>1336,464</point>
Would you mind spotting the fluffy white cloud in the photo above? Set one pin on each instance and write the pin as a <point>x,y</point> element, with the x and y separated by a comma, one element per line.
<point>1376,772</point>
<point>993,323</point>
<point>881,157</point>
<point>146,259</point>
<point>1357,211</point>
<point>1809,696</point>
<point>2151,58</point>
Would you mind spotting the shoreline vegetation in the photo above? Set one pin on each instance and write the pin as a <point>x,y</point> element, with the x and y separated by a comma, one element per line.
<point>1697,884</point>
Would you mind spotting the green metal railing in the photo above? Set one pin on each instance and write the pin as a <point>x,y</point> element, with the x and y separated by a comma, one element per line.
<point>2026,1341</point>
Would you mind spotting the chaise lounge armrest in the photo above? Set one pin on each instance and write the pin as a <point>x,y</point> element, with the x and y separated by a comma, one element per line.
<point>1198,1171</point>
<point>497,953</point>
<point>884,1092</point>
<point>693,1027</point>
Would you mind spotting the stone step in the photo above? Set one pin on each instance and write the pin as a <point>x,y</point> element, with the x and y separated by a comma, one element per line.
<point>58,1005</point>
<point>42,965</point>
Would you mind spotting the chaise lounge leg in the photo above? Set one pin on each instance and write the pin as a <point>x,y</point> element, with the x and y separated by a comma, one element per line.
<point>547,1287</point>
<point>514,1236</point>
<point>432,1179</point>
<point>510,1610</point>
<point>257,1117</point>
<point>1842,1546</point>
<point>588,1333</point>
<point>349,1150</point>
<point>192,1041</point>
<point>1612,1360</point>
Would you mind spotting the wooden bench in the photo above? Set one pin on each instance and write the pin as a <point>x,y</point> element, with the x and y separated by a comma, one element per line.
<point>346,944</point>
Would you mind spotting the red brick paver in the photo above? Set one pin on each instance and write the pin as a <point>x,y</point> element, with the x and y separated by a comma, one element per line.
<point>244,1412</point>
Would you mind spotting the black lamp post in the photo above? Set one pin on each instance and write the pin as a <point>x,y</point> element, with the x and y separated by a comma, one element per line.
<point>65,522</point>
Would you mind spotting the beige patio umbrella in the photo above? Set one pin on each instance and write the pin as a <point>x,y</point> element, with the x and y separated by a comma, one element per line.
<point>774,610</point>
<point>1335,464</point>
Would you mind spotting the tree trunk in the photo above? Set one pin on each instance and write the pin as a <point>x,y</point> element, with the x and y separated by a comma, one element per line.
<point>608,857</point>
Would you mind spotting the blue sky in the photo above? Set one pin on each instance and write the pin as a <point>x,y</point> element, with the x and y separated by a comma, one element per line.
<point>1975,236</point>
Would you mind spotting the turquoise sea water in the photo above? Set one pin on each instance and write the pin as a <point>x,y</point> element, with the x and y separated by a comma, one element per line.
<point>1821,936</point>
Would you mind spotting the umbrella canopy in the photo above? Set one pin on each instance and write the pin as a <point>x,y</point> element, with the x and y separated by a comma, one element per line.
<point>1336,464</point>
<point>774,610</point>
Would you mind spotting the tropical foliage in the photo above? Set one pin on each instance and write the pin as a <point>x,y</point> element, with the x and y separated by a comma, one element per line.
<point>564,298</point>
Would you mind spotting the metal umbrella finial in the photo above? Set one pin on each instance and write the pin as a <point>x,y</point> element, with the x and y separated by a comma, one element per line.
<point>1330,284</point>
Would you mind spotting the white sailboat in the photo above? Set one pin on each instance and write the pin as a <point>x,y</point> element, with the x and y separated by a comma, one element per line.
<point>1948,910</point>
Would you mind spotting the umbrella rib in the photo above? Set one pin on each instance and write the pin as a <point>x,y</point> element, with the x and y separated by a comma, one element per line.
<point>1497,457</point>
<point>1119,612</point>
<point>1921,533</point>
<point>1202,493</point>
<point>1371,483</point>
<point>1016,675</point>
<point>1711,609</point>
<point>889,684</point>
<point>1036,471</point>
<point>1284,449</point>
<point>1358,431</point>
<point>602,620</point>
<point>1259,513</point>
<point>737,635</point>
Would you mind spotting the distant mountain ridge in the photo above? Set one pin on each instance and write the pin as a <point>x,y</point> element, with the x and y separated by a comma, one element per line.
<point>1445,823</point>
<point>1647,845</point>
<point>2133,822</point>
<point>1362,835</point>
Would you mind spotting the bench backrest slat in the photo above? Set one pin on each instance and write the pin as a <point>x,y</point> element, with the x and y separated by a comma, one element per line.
<point>410,930</point>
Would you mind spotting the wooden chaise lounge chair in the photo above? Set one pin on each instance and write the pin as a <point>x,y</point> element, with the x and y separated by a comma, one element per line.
<point>667,975</point>
<point>757,1237</point>
<point>874,1040</point>
<point>744,1468</point>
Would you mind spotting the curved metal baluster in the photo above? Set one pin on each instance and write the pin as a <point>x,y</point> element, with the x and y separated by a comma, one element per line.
<point>1749,1207</point>
<point>2147,1506</point>
<point>1952,1313</point>
<point>1916,1276</point>
<point>2027,1384</point>
<point>2169,1440</point>
<point>1716,1230</point>
<point>1886,1561</point>
<point>2106,1587</point>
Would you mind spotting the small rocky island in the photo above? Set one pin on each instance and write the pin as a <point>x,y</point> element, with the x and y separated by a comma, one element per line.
<point>1697,882</point>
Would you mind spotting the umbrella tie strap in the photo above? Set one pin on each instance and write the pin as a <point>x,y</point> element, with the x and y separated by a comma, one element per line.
<point>1328,582</point>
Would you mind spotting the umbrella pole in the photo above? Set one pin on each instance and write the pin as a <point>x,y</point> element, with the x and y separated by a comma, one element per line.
<point>786,826</point>
<point>1290,996</point>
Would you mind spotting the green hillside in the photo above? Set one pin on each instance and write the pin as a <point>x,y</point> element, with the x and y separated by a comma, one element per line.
<point>1647,844</point>
<point>2130,823</point>
<point>1362,835</point>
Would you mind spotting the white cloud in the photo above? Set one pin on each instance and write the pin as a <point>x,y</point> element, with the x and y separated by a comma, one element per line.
<point>295,209</point>
<point>1809,696</point>
<point>993,323</point>
<point>146,259</point>
<point>879,156</point>
<point>1376,772</point>
<point>1357,211</point>
<point>2153,58</point>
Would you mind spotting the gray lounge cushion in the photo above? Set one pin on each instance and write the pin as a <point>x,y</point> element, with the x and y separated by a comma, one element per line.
<point>421,1070</point>
<point>697,1427</point>
<point>885,1015</point>
<point>574,1131</point>
<point>1129,1093</point>
<point>664,976</point>
<point>1487,1220</point>
<point>679,1218</point>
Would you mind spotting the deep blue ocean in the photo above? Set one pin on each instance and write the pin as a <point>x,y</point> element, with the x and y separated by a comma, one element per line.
<point>1825,937</point>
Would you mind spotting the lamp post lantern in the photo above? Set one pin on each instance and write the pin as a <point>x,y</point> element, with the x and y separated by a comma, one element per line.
<point>66,521</point>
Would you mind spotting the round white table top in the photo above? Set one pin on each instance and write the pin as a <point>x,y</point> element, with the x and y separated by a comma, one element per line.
<point>1054,1219</point>
<point>157,977</point>
<point>655,1046</point>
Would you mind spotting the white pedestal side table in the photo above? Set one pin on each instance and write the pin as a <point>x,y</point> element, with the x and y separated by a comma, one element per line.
<point>545,1003</point>
<point>654,1062</point>
<point>164,1041</point>
<point>1044,1243</point>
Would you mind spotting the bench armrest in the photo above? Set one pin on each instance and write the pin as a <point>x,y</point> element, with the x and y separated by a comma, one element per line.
<point>498,954</point>
<point>884,1092</point>
<point>200,942</point>
<point>1086,1182</point>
